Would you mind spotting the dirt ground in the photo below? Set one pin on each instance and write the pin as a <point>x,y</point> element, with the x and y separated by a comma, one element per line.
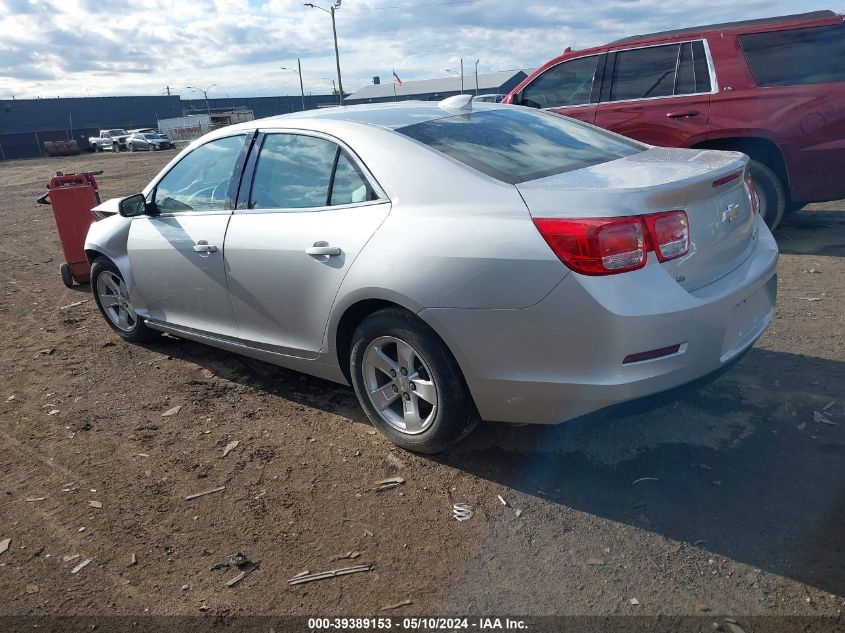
<point>743,512</point>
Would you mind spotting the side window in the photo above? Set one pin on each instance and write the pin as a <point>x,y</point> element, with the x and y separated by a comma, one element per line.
<point>200,181</point>
<point>349,186</point>
<point>567,84</point>
<point>798,56</point>
<point>641,73</point>
<point>702,70</point>
<point>685,81</point>
<point>293,172</point>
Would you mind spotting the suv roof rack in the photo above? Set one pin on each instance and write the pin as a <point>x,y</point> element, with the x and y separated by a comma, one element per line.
<point>812,15</point>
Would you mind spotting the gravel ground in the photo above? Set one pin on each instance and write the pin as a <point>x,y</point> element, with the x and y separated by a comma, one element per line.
<point>743,512</point>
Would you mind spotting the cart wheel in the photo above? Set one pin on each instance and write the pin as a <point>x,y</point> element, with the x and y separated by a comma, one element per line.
<point>67,277</point>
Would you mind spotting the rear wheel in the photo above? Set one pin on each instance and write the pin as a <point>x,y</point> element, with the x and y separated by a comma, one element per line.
<point>770,193</point>
<point>112,298</point>
<point>409,384</point>
<point>131,147</point>
<point>115,148</point>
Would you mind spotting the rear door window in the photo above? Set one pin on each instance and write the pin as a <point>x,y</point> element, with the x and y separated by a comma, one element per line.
<point>295,171</point>
<point>642,73</point>
<point>798,56</point>
<point>567,84</point>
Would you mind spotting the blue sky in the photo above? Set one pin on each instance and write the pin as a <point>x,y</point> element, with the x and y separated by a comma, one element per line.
<point>70,48</point>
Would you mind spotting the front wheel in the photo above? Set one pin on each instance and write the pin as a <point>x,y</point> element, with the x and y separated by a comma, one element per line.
<point>113,300</point>
<point>409,384</point>
<point>770,193</point>
<point>131,147</point>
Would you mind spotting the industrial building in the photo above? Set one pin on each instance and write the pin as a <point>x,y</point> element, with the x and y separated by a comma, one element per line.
<point>26,124</point>
<point>435,89</point>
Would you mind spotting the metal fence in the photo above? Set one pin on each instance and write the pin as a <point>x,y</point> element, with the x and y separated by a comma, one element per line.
<point>31,144</point>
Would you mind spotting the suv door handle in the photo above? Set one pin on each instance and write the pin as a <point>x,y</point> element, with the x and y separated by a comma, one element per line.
<point>322,248</point>
<point>686,114</point>
<point>204,247</point>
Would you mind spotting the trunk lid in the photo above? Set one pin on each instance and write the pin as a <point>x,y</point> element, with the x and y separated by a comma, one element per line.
<point>721,219</point>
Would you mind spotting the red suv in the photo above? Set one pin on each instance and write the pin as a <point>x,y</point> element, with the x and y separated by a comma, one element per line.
<point>772,88</point>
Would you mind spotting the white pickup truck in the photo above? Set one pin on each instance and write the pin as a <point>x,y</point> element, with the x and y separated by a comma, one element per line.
<point>113,140</point>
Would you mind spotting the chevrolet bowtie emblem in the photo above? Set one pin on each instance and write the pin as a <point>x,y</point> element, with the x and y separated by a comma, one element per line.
<point>730,213</point>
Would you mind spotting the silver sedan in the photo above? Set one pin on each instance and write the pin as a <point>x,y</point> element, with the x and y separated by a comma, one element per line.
<point>453,262</point>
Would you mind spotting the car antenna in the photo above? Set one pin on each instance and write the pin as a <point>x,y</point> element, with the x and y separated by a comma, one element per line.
<point>458,102</point>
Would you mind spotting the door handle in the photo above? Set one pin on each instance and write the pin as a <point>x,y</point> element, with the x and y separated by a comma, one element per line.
<point>323,248</point>
<point>686,114</point>
<point>204,247</point>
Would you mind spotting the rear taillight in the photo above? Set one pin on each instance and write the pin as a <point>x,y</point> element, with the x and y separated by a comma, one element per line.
<point>669,234</point>
<point>605,246</point>
<point>596,246</point>
<point>752,195</point>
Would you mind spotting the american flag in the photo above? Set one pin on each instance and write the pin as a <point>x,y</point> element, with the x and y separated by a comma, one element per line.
<point>396,78</point>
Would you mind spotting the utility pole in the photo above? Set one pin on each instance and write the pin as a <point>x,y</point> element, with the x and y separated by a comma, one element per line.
<point>462,75</point>
<point>331,11</point>
<point>168,90</point>
<point>476,76</point>
<point>301,86</point>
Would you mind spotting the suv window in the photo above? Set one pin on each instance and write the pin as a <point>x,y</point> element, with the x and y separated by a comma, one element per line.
<point>641,73</point>
<point>568,83</point>
<point>295,171</point>
<point>798,56</point>
<point>516,145</point>
<point>200,181</point>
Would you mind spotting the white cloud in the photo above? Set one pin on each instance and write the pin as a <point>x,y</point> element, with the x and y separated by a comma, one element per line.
<point>78,47</point>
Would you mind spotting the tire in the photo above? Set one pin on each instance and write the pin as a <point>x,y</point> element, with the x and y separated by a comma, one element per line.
<point>770,193</point>
<point>115,148</point>
<point>67,277</point>
<point>130,147</point>
<point>97,149</point>
<point>453,414</point>
<point>105,276</point>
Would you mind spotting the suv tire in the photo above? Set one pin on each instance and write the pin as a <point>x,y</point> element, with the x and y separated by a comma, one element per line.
<point>770,192</point>
<point>379,338</point>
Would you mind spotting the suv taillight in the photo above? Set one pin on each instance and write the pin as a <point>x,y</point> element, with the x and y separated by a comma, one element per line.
<point>749,187</point>
<point>605,246</point>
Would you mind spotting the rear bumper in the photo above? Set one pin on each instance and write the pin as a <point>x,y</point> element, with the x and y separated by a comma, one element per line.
<point>563,357</point>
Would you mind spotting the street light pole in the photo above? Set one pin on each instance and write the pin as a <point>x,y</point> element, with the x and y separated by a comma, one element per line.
<point>331,11</point>
<point>298,72</point>
<point>205,95</point>
<point>301,86</point>
<point>476,76</point>
<point>462,75</point>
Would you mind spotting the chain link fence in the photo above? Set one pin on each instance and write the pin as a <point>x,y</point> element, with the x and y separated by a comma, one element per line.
<point>32,144</point>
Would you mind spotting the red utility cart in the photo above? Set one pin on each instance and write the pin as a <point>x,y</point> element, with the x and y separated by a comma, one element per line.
<point>72,197</point>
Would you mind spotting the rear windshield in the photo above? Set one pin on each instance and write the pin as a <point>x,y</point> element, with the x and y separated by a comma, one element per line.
<point>515,145</point>
<point>799,56</point>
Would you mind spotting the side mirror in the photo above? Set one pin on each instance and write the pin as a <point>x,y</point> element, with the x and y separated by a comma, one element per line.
<point>132,206</point>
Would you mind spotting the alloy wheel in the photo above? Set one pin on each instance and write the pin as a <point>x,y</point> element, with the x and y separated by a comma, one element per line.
<point>400,385</point>
<point>114,298</point>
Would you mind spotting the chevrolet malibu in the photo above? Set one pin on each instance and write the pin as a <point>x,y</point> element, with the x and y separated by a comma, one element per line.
<point>454,262</point>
